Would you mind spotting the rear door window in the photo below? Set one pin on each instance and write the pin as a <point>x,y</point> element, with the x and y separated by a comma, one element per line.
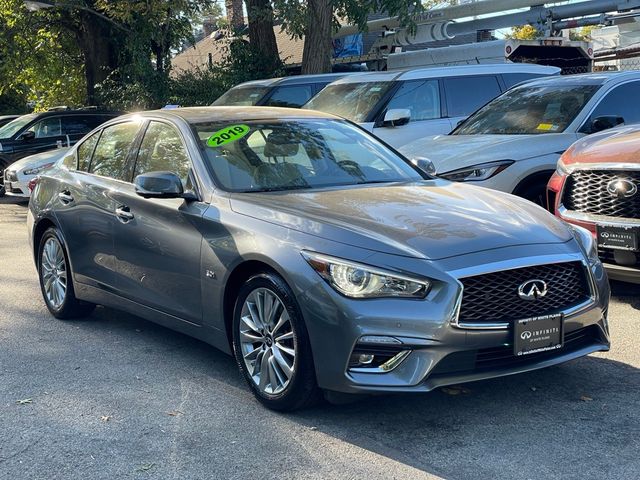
<point>77,125</point>
<point>293,96</point>
<point>420,97</point>
<point>511,79</point>
<point>110,155</point>
<point>85,152</point>
<point>465,95</point>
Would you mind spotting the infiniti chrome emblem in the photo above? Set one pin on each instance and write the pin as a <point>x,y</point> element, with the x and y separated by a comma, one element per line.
<point>532,290</point>
<point>622,188</point>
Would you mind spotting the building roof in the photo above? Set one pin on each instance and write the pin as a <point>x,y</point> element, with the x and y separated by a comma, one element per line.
<point>196,57</point>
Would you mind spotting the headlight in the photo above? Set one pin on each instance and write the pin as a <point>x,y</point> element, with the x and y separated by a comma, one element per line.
<point>37,170</point>
<point>587,242</point>
<point>476,173</point>
<point>363,281</point>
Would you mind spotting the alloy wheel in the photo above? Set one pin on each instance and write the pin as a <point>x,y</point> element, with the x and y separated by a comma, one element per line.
<point>54,272</point>
<point>267,341</point>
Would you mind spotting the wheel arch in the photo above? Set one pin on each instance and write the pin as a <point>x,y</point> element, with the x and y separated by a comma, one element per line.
<point>533,179</point>
<point>38,231</point>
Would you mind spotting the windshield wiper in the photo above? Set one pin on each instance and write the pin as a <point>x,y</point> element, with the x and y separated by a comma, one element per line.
<point>279,189</point>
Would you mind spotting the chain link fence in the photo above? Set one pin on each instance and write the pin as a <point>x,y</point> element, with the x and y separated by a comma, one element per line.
<point>620,64</point>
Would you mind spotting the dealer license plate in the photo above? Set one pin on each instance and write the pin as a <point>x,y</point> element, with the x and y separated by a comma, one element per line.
<point>620,238</point>
<point>538,334</point>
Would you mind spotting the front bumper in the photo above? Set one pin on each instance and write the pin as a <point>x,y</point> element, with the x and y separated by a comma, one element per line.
<point>615,270</point>
<point>440,352</point>
<point>16,184</point>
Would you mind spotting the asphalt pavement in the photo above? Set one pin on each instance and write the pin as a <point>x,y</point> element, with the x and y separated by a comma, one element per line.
<point>114,396</point>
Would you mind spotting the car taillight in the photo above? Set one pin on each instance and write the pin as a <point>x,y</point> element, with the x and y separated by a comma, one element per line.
<point>32,184</point>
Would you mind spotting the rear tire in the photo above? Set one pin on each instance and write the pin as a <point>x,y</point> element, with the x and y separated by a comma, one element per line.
<point>536,193</point>
<point>271,344</point>
<point>56,281</point>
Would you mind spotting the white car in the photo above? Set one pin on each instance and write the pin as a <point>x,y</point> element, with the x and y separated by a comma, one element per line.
<point>513,143</point>
<point>18,175</point>
<point>400,107</point>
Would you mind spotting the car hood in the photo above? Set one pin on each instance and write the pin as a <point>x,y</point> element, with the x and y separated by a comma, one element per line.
<point>34,161</point>
<point>451,152</point>
<point>431,219</point>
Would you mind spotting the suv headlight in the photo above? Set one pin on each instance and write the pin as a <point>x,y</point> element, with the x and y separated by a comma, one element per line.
<point>37,170</point>
<point>477,173</point>
<point>356,280</point>
<point>587,242</point>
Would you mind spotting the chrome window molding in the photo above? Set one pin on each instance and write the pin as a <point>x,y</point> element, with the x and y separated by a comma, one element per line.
<point>514,264</point>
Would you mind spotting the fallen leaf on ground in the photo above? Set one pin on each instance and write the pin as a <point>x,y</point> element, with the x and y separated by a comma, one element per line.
<point>105,418</point>
<point>585,398</point>
<point>175,413</point>
<point>145,467</point>
<point>313,428</point>
<point>25,401</point>
<point>455,390</point>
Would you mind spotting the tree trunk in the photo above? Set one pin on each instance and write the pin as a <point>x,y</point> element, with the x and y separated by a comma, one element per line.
<point>100,57</point>
<point>261,34</point>
<point>318,45</point>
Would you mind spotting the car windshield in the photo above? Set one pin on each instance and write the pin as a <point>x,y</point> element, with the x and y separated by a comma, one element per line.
<point>11,128</point>
<point>241,96</point>
<point>353,101</point>
<point>529,110</point>
<point>293,154</point>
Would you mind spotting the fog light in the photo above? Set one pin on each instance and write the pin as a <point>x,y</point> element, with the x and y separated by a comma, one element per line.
<point>380,340</point>
<point>365,359</point>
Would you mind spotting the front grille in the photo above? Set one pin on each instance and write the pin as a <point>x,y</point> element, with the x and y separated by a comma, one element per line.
<point>625,258</point>
<point>493,297</point>
<point>11,176</point>
<point>586,191</point>
<point>502,357</point>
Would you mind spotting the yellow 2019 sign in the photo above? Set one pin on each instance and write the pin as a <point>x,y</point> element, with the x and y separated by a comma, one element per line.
<point>227,135</point>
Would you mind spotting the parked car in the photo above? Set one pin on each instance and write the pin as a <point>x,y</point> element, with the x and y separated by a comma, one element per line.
<point>596,186</point>
<point>316,254</point>
<point>514,142</point>
<point>400,107</point>
<point>291,92</point>
<point>39,132</point>
<point>4,119</point>
<point>19,175</point>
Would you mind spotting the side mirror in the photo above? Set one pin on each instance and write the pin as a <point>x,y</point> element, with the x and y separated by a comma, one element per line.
<point>425,165</point>
<point>396,117</point>
<point>27,136</point>
<point>159,185</point>
<point>605,122</point>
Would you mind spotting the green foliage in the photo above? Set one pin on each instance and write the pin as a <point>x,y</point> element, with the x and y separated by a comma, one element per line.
<point>582,34</point>
<point>37,63</point>
<point>524,32</point>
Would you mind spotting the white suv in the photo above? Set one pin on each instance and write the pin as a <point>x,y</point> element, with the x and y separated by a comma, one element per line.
<point>400,107</point>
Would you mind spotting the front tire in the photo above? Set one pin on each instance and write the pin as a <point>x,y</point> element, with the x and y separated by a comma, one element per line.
<point>271,344</point>
<point>56,283</point>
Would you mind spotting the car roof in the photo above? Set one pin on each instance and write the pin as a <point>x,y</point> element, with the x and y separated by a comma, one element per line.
<point>4,117</point>
<point>453,71</point>
<point>296,80</point>
<point>234,114</point>
<point>597,78</point>
<point>87,111</point>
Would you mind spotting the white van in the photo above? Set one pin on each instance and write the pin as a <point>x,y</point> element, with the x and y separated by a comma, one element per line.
<point>400,107</point>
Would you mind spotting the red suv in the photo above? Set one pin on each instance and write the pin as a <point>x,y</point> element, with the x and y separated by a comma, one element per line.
<point>596,186</point>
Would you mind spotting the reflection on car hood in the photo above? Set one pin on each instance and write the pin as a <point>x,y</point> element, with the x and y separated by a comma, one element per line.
<point>450,152</point>
<point>34,161</point>
<point>431,219</point>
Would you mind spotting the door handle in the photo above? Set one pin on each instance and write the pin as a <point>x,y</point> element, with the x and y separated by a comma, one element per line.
<point>124,214</point>
<point>65,197</point>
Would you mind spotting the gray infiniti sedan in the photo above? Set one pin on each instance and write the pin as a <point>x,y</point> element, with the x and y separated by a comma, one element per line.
<point>316,255</point>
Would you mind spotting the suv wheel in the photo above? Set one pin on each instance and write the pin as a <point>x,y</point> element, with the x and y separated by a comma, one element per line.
<point>271,344</point>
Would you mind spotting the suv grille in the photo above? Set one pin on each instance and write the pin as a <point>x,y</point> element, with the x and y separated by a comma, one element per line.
<point>493,297</point>
<point>586,191</point>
